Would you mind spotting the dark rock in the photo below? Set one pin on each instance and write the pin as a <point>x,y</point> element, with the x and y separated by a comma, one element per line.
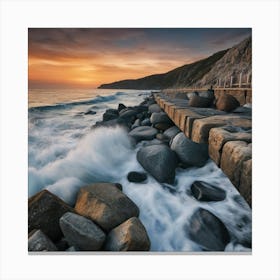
<point>208,230</point>
<point>162,137</point>
<point>62,244</point>
<point>90,112</point>
<point>169,188</point>
<point>121,107</point>
<point>160,161</point>
<point>201,102</point>
<point>163,126</point>
<point>208,94</point>
<point>136,177</point>
<point>81,232</point>
<point>128,236</point>
<point>154,108</point>
<point>205,192</point>
<point>146,122</point>
<point>137,123</point>
<point>38,241</point>
<point>110,114</point>
<point>140,109</point>
<point>112,123</point>
<point>143,133</point>
<point>181,95</point>
<point>154,142</point>
<point>105,204</point>
<point>189,152</point>
<point>44,211</point>
<point>227,103</point>
<point>160,118</point>
<point>171,132</point>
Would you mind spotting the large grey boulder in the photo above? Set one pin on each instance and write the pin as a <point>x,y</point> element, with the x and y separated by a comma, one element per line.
<point>208,231</point>
<point>205,192</point>
<point>44,212</point>
<point>38,241</point>
<point>154,108</point>
<point>82,233</point>
<point>110,114</point>
<point>227,103</point>
<point>200,102</point>
<point>105,204</point>
<point>160,161</point>
<point>143,133</point>
<point>160,118</point>
<point>171,132</point>
<point>189,152</point>
<point>128,236</point>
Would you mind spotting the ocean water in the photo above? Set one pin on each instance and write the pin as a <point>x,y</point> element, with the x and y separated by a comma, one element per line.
<point>64,154</point>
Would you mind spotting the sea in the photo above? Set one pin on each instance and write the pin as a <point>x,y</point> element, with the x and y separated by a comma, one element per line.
<point>65,154</point>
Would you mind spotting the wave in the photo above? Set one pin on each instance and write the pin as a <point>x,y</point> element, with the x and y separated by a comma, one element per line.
<point>67,105</point>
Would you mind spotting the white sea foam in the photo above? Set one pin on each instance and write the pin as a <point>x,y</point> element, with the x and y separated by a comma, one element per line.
<point>65,154</point>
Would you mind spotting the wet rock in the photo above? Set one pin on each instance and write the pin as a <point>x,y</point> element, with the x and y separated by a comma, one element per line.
<point>143,133</point>
<point>162,138</point>
<point>62,244</point>
<point>146,122</point>
<point>189,152</point>
<point>171,132</point>
<point>82,233</point>
<point>136,177</point>
<point>160,161</point>
<point>208,94</point>
<point>137,123</point>
<point>90,112</point>
<point>160,118</point>
<point>208,231</point>
<point>200,102</point>
<point>154,108</point>
<point>110,114</point>
<point>227,103</point>
<point>163,126</point>
<point>112,123</point>
<point>105,204</point>
<point>38,241</point>
<point>121,107</point>
<point>44,211</point>
<point>205,192</point>
<point>129,236</point>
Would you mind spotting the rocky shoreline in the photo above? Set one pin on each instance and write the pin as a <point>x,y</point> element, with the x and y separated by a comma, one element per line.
<point>103,217</point>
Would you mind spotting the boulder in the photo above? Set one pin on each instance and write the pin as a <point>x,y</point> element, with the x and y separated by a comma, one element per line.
<point>160,118</point>
<point>82,233</point>
<point>154,108</point>
<point>110,114</point>
<point>105,204</point>
<point>162,138</point>
<point>121,107</point>
<point>62,244</point>
<point>205,192</point>
<point>128,236</point>
<point>38,241</point>
<point>181,95</point>
<point>163,126</point>
<point>146,122</point>
<point>201,102</point>
<point>160,161</point>
<point>143,133</point>
<point>227,103</point>
<point>208,94</point>
<point>136,177</point>
<point>208,231</point>
<point>111,123</point>
<point>44,211</point>
<point>137,123</point>
<point>189,152</point>
<point>171,132</point>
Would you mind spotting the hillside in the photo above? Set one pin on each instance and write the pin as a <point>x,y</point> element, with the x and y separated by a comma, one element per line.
<point>204,72</point>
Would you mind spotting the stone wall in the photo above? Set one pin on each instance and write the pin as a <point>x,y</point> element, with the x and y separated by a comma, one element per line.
<point>229,135</point>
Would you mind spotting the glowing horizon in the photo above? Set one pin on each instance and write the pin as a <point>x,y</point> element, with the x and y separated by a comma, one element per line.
<point>89,57</point>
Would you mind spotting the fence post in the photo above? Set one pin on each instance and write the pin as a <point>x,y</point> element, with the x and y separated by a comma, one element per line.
<point>240,80</point>
<point>248,79</point>
<point>231,79</point>
<point>225,83</point>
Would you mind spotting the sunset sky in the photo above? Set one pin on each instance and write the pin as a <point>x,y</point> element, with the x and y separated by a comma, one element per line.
<point>88,57</point>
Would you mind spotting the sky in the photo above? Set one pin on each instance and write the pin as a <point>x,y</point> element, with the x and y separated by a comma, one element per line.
<point>89,57</point>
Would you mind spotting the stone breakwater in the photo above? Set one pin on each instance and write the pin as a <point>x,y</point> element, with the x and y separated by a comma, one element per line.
<point>219,121</point>
<point>103,218</point>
